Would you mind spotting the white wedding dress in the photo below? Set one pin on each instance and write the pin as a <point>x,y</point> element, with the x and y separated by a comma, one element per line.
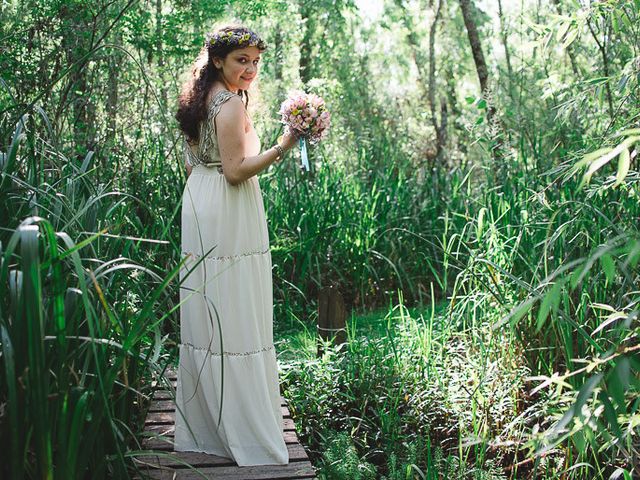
<point>228,396</point>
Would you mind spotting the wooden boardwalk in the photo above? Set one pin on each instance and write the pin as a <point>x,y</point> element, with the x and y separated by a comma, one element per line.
<point>167,464</point>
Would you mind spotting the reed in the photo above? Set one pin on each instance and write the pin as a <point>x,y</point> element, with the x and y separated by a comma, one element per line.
<point>80,323</point>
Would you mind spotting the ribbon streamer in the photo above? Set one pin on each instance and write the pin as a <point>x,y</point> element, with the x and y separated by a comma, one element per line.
<point>303,155</point>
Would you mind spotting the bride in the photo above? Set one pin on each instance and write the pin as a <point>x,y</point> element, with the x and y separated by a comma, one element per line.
<point>228,396</point>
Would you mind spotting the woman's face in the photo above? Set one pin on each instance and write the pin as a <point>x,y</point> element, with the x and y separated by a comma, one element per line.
<point>239,67</point>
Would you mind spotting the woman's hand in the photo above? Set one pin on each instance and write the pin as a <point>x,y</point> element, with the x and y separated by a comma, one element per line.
<point>288,140</point>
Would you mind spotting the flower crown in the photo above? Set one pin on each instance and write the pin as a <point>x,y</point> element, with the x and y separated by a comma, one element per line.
<point>238,38</point>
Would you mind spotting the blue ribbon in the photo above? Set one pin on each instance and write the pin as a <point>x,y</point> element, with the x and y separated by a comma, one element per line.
<point>303,155</point>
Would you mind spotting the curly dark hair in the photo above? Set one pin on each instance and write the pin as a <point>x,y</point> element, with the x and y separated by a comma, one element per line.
<point>192,108</point>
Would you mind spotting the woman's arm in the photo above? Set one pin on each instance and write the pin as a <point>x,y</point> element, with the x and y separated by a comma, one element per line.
<point>231,142</point>
<point>189,168</point>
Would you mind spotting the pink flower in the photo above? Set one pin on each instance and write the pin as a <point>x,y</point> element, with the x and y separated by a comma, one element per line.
<point>305,114</point>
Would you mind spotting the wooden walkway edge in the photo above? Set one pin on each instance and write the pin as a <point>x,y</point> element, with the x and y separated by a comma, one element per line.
<point>164,463</point>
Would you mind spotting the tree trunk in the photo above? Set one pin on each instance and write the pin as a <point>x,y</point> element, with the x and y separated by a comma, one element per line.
<point>483,76</point>
<point>476,47</point>
<point>160,53</point>
<point>113,65</point>
<point>428,76</point>
<point>602,47</point>
<point>277,69</point>
<point>77,92</point>
<point>441,127</point>
<point>305,44</point>
<point>505,43</point>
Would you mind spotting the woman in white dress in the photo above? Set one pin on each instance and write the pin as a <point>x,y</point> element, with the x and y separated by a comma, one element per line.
<point>228,394</point>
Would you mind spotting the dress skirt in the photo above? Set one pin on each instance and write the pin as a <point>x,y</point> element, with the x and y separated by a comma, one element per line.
<point>228,394</point>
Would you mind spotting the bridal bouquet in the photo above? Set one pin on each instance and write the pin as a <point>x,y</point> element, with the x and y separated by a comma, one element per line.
<point>306,115</point>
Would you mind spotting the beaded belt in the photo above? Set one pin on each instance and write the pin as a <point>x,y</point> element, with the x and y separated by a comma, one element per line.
<point>212,165</point>
<point>234,354</point>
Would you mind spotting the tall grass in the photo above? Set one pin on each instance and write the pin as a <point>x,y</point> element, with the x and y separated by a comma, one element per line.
<point>366,228</point>
<point>80,323</point>
<point>540,276</point>
<point>538,280</point>
<point>417,399</point>
<point>560,264</point>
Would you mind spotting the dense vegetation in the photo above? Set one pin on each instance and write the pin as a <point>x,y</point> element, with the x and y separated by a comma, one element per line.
<point>476,203</point>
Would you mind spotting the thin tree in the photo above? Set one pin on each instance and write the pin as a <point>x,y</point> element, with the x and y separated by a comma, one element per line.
<point>305,44</point>
<point>476,50</point>
<point>440,127</point>
<point>428,77</point>
<point>602,47</point>
<point>160,53</point>
<point>503,38</point>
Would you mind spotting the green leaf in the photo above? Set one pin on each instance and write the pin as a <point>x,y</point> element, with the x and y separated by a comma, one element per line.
<point>480,226</point>
<point>596,80</point>
<point>622,83</point>
<point>516,313</point>
<point>624,162</point>
<point>633,249</point>
<point>585,392</point>
<point>578,440</point>
<point>610,413</point>
<point>552,298</point>
<point>629,132</point>
<point>621,472</point>
<point>76,429</point>
<point>590,157</point>
<point>571,36</point>
<point>562,30</point>
<point>12,403</point>
<point>609,267</point>
<point>10,158</point>
<point>86,161</point>
<point>619,382</point>
<point>576,276</point>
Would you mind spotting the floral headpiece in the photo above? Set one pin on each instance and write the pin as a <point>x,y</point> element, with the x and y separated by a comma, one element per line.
<point>240,38</point>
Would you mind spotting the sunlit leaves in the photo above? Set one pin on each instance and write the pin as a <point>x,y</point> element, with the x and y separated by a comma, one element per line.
<point>597,159</point>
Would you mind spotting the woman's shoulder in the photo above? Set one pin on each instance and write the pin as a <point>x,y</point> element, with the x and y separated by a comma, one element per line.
<point>224,98</point>
<point>231,111</point>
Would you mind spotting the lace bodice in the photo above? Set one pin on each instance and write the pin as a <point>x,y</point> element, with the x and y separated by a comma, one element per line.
<point>206,151</point>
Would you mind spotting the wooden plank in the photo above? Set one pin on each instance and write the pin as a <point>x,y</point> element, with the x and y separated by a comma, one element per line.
<point>167,395</point>
<point>160,429</point>
<point>199,459</point>
<point>167,418</point>
<point>166,464</point>
<point>162,395</point>
<point>169,406</point>
<point>174,385</point>
<point>258,472</point>
<point>168,431</point>
<point>164,441</point>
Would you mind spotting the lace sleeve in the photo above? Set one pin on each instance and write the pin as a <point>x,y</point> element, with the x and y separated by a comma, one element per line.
<point>189,157</point>
<point>208,133</point>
